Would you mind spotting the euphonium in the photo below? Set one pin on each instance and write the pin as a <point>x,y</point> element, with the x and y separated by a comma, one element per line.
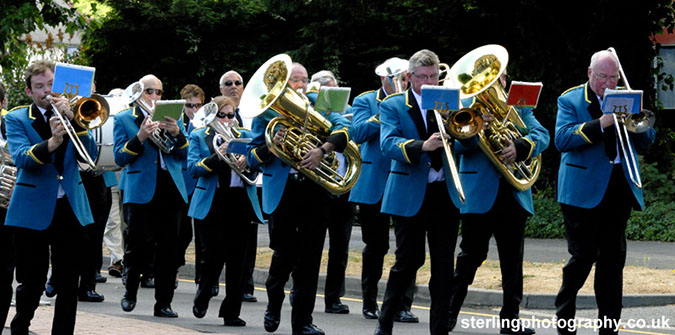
<point>206,116</point>
<point>306,129</point>
<point>477,74</point>
<point>7,177</point>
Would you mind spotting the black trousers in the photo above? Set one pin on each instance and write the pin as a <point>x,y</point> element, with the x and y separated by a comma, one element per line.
<point>297,231</point>
<point>100,202</point>
<point>437,221</point>
<point>63,239</point>
<point>251,236</point>
<point>185,236</point>
<point>7,265</point>
<point>225,226</point>
<point>506,222</point>
<point>153,236</point>
<point>375,234</point>
<point>339,231</point>
<point>597,235</point>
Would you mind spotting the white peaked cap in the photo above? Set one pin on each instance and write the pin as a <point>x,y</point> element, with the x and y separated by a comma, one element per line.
<point>396,65</point>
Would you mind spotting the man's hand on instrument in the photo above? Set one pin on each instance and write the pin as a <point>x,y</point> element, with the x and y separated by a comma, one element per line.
<point>311,159</point>
<point>487,118</point>
<point>62,105</point>
<point>509,152</point>
<point>147,128</point>
<point>58,131</point>
<point>434,142</point>
<point>606,120</point>
<point>170,125</point>
<point>279,136</point>
<point>241,162</point>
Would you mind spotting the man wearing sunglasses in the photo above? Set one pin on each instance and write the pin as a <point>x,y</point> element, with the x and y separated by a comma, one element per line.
<point>154,195</point>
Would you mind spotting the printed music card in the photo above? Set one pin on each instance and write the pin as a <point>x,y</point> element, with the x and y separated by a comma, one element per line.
<point>440,98</point>
<point>333,99</point>
<point>170,108</point>
<point>75,80</point>
<point>622,101</point>
<point>523,94</point>
<point>238,145</point>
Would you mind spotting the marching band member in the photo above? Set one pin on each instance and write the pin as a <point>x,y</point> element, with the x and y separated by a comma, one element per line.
<point>49,204</point>
<point>417,190</point>
<point>368,191</point>
<point>594,191</point>
<point>296,236</point>
<point>154,193</point>
<point>341,220</point>
<point>222,208</point>
<point>494,207</point>
<point>194,99</point>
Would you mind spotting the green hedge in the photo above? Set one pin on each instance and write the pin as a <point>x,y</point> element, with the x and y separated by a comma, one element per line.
<point>655,223</point>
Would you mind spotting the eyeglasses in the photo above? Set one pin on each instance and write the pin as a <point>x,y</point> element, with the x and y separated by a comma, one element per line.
<point>429,77</point>
<point>603,77</point>
<point>223,115</point>
<point>157,91</point>
<point>230,82</point>
<point>296,79</point>
<point>189,105</point>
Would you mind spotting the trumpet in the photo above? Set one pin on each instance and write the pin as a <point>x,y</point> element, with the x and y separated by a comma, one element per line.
<point>206,116</point>
<point>89,113</point>
<point>634,123</point>
<point>160,137</point>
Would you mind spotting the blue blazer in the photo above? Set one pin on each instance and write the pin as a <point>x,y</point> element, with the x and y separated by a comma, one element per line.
<point>140,160</point>
<point>275,172</point>
<point>401,134</point>
<point>37,183</point>
<point>365,131</point>
<point>110,178</point>
<point>189,181</point>
<point>204,165</point>
<point>480,178</point>
<point>585,168</point>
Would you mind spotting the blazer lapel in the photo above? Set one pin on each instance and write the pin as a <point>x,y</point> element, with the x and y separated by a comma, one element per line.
<point>594,106</point>
<point>416,115</point>
<point>138,113</point>
<point>210,133</point>
<point>39,123</point>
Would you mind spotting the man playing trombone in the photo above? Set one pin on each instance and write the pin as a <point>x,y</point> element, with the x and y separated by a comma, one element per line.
<point>595,192</point>
<point>154,194</point>
<point>419,194</point>
<point>49,204</point>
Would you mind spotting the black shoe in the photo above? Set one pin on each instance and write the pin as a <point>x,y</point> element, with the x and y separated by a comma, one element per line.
<point>406,316</point>
<point>371,313</point>
<point>115,270</point>
<point>310,329</point>
<point>90,296</point>
<point>199,311</point>
<point>236,322</point>
<point>50,291</point>
<point>519,331</point>
<point>337,308</point>
<point>271,321</point>
<point>128,302</point>
<point>100,279</point>
<point>380,331</point>
<point>214,290</point>
<point>165,312</point>
<point>248,297</point>
<point>452,322</point>
<point>147,282</point>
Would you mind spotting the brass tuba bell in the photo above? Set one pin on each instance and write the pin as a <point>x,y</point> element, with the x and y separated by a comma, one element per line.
<point>477,74</point>
<point>268,95</point>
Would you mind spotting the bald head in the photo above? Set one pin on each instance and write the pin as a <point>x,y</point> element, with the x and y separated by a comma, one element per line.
<point>229,88</point>
<point>153,85</point>
<point>603,72</point>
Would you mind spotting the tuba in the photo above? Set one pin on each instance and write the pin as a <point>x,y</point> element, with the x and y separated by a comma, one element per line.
<point>206,116</point>
<point>477,74</point>
<point>268,95</point>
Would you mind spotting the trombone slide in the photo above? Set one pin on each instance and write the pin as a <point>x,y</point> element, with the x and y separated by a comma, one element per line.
<point>81,150</point>
<point>450,157</point>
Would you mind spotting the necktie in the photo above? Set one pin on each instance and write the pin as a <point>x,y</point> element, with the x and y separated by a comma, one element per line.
<point>49,113</point>
<point>432,127</point>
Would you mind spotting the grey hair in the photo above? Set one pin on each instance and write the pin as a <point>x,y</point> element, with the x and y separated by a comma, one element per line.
<point>221,82</point>
<point>324,77</point>
<point>602,54</point>
<point>421,58</point>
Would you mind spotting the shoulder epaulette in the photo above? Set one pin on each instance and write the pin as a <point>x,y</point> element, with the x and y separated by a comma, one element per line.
<point>573,88</point>
<point>393,95</point>
<point>366,92</point>
<point>17,107</point>
<point>314,89</point>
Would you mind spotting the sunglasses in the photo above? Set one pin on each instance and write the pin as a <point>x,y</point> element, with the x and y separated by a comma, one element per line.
<point>189,105</point>
<point>157,91</point>
<point>222,115</point>
<point>230,82</point>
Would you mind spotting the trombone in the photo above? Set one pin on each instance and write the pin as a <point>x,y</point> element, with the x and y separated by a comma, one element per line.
<point>635,123</point>
<point>89,113</point>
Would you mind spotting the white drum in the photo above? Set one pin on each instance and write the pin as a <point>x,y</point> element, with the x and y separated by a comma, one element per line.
<point>104,136</point>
